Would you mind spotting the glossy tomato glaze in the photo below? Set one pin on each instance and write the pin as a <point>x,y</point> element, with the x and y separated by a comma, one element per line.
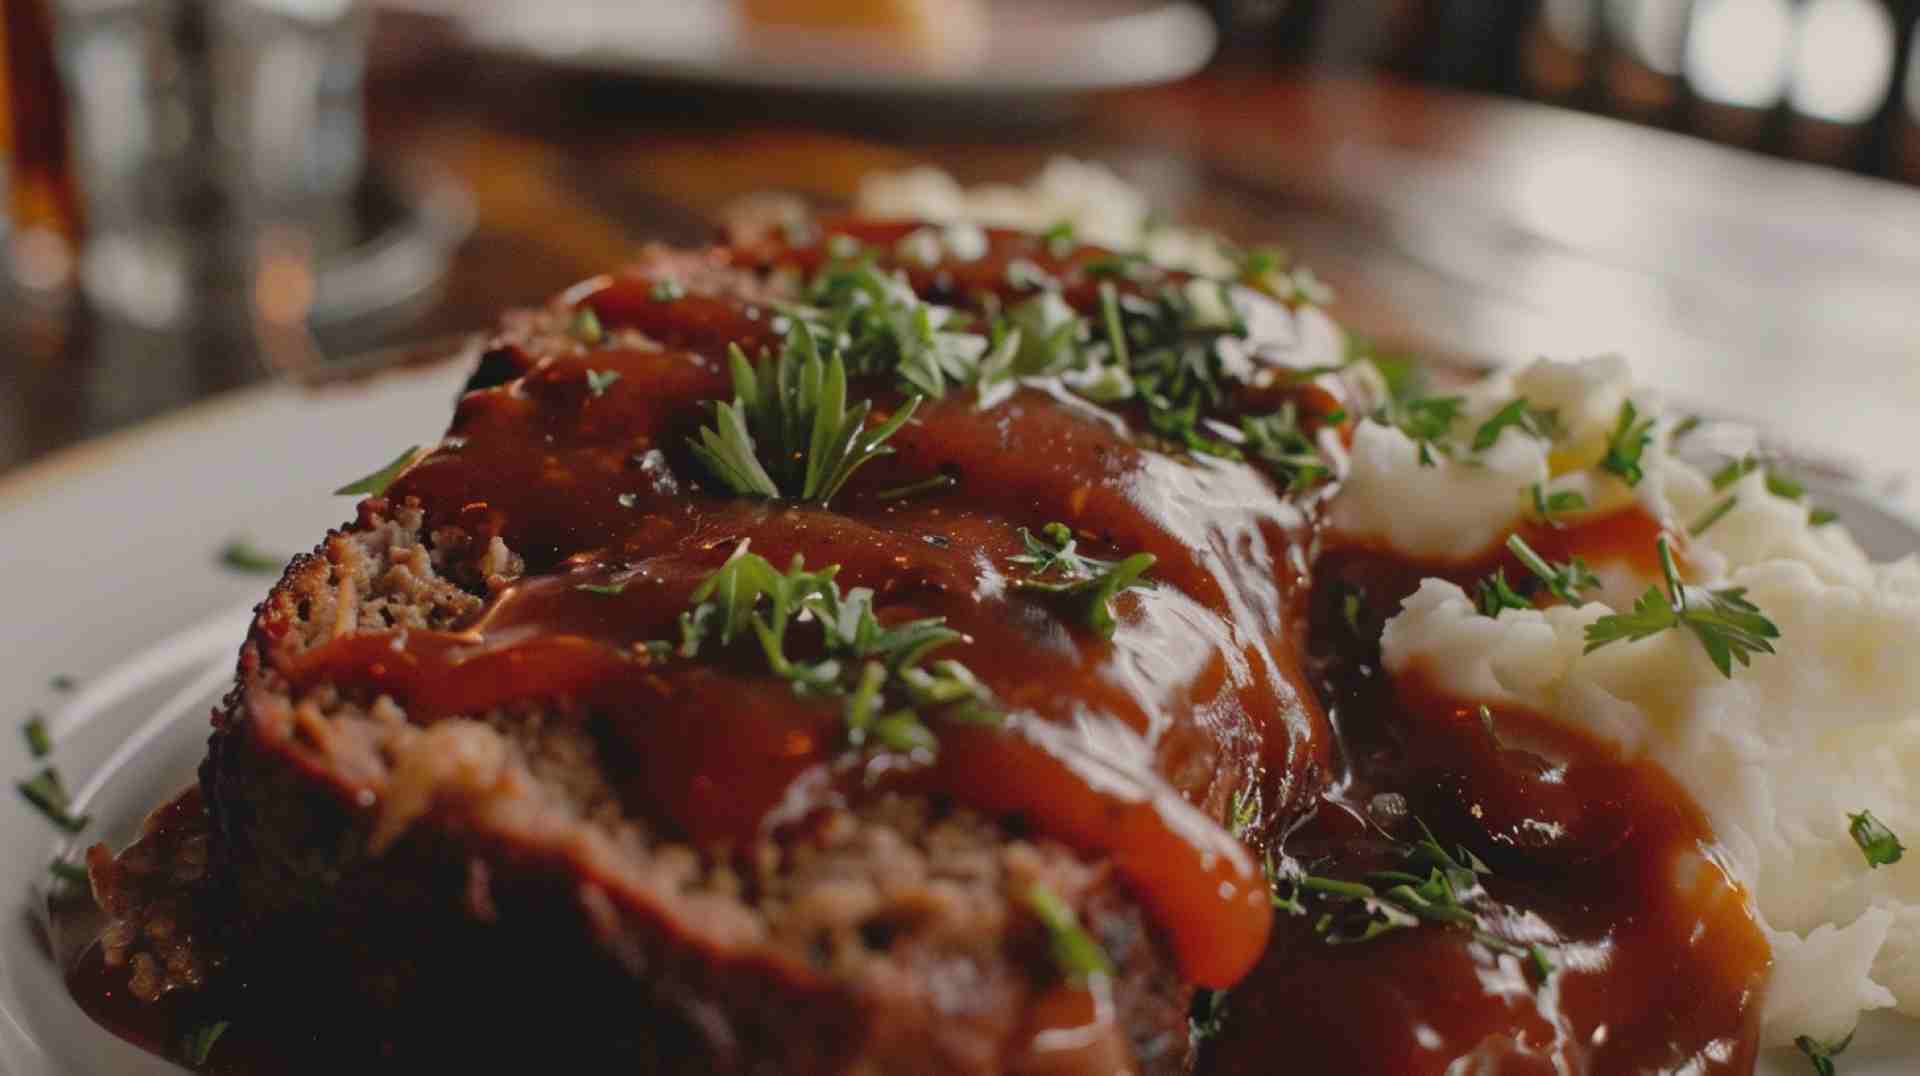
<point>1214,682</point>
<point>1125,747</point>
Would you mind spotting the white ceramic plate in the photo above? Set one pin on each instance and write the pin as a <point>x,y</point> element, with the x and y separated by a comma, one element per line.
<point>1015,48</point>
<point>108,567</point>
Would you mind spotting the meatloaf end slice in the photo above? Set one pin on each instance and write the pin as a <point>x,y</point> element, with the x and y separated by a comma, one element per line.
<point>476,882</point>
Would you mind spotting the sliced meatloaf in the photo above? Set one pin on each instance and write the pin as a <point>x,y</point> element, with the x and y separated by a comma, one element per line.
<point>474,794</point>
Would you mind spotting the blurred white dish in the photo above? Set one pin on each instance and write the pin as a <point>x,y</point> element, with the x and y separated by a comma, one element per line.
<point>1000,48</point>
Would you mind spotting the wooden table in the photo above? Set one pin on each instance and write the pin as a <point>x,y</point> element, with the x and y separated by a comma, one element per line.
<point>1449,224</point>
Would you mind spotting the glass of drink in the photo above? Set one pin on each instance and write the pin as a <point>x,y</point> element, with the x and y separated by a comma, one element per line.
<point>185,159</point>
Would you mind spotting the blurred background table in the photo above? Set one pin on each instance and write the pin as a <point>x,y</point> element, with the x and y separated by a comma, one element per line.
<point>1449,223</point>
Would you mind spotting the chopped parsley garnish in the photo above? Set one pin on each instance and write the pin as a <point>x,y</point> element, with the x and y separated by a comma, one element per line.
<point>1059,238</point>
<point>1256,262</point>
<point>1628,442</point>
<point>1023,275</point>
<point>911,489</point>
<point>876,324</point>
<point>1049,332</point>
<point>584,326</point>
<point>45,792</point>
<point>599,381</point>
<point>198,1045</point>
<point>1277,441</point>
<point>1730,628</point>
<point>1075,953</point>
<point>241,555</point>
<point>1426,420</point>
<point>608,589</point>
<point>1876,841</point>
<point>39,743</point>
<point>1564,581</point>
<point>1547,505</point>
<point>1519,414</point>
<point>1110,319</point>
<point>1208,1017</point>
<point>375,484</point>
<point>1492,595</point>
<point>1780,485</point>
<point>1352,602</point>
<point>1243,810</point>
<point>861,658</point>
<point>1096,581</point>
<point>1784,486</point>
<point>1734,471</point>
<point>1821,1054</point>
<point>667,291</point>
<point>1174,360</point>
<point>789,431</point>
<point>1539,963</point>
<point>1134,267</point>
<point>1712,515</point>
<point>1683,428</point>
<point>1404,376</point>
<point>69,873</point>
<point>1430,885</point>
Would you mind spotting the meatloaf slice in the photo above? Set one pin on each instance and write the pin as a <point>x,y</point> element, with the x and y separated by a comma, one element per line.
<point>493,851</point>
<point>463,801</point>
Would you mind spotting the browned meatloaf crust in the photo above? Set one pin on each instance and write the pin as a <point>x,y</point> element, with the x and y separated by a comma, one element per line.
<point>488,880</point>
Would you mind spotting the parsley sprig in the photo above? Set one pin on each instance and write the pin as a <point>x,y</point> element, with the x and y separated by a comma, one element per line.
<point>1075,953</point>
<point>241,555</point>
<point>1426,420</point>
<point>1730,628</point>
<point>197,1045</point>
<point>1548,505</point>
<point>879,325</point>
<point>47,793</point>
<point>1627,444</point>
<point>878,667</point>
<point>789,431</point>
<point>1277,442</point>
<point>1821,1054</point>
<point>1430,885</point>
<point>375,484</point>
<point>1778,483</point>
<point>1565,581</point>
<point>1494,595</point>
<point>1539,423</point>
<point>1170,345</point>
<point>1058,567</point>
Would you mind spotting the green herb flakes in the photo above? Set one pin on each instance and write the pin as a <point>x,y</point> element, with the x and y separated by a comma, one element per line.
<point>375,484</point>
<point>1876,841</point>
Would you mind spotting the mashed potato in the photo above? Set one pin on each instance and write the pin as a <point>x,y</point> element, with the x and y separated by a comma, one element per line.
<point>1778,755</point>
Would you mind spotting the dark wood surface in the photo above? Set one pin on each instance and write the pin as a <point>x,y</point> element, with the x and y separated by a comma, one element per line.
<point>1450,224</point>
